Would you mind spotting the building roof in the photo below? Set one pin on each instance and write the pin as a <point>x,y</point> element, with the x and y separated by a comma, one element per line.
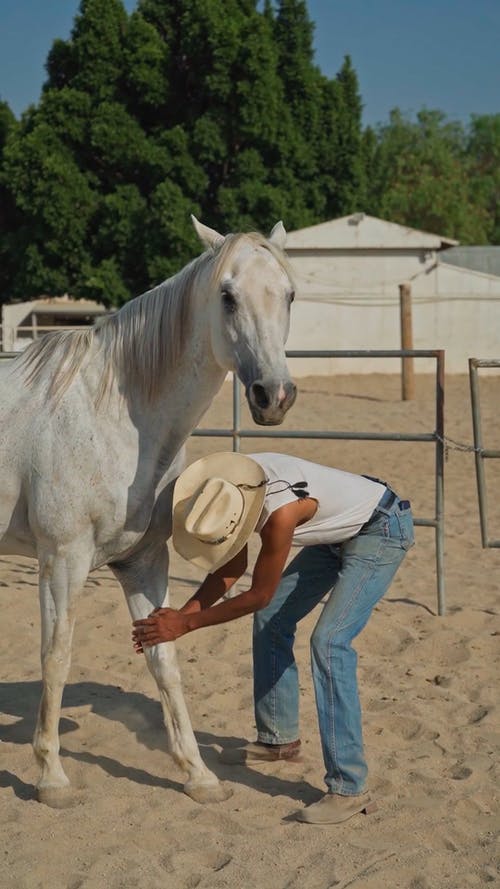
<point>479,259</point>
<point>362,232</point>
<point>64,305</point>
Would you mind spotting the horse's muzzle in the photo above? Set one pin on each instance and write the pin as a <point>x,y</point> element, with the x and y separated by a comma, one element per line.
<point>269,401</point>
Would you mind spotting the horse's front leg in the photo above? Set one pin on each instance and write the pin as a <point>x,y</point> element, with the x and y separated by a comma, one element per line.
<point>62,576</point>
<point>144,579</point>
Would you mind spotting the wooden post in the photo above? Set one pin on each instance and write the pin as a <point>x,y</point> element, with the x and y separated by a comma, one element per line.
<point>407,375</point>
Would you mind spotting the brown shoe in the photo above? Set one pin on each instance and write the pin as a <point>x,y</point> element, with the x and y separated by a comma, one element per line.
<point>333,808</point>
<point>259,752</point>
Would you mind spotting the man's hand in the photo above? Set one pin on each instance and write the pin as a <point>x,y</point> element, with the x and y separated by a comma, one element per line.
<point>162,625</point>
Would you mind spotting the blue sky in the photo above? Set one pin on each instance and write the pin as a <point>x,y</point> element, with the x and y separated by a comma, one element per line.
<point>407,53</point>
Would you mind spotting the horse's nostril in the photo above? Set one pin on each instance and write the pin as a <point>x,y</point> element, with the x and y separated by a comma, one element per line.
<point>260,395</point>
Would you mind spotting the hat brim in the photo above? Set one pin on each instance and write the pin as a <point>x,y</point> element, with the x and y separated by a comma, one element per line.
<point>236,468</point>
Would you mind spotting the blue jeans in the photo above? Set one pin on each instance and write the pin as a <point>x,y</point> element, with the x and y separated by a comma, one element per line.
<point>355,574</point>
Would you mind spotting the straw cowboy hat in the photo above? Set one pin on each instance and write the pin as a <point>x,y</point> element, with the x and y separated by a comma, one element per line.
<point>216,506</point>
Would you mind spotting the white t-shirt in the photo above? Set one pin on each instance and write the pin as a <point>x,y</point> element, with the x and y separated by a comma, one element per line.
<point>345,501</point>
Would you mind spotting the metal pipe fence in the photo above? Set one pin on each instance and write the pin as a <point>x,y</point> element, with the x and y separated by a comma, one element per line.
<point>236,433</point>
<point>480,453</point>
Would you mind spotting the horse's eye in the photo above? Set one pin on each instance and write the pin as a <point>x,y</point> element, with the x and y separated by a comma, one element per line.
<point>291,296</point>
<point>228,301</point>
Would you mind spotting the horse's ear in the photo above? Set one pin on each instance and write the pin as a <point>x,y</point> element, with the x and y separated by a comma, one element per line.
<point>207,236</point>
<point>278,235</point>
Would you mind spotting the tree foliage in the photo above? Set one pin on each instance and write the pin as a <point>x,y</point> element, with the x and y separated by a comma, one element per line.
<point>483,153</point>
<point>218,109</point>
<point>423,176</point>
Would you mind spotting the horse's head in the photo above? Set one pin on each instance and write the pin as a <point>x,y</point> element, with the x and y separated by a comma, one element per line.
<point>250,317</point>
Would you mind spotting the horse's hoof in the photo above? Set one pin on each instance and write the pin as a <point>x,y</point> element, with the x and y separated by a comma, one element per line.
<point>208,793</point>
<point>58,797</point>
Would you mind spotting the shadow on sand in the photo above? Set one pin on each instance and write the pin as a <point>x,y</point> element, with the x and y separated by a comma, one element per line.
<point>142,716</point>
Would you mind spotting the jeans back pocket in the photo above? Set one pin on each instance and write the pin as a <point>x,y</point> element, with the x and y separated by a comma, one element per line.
<point>406,527</point>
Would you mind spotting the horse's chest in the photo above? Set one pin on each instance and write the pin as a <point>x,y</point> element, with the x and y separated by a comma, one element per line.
<point>121,521</point>
<point>116,534</point>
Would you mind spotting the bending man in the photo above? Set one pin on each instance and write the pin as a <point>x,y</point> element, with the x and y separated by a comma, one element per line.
<point>354,532</point>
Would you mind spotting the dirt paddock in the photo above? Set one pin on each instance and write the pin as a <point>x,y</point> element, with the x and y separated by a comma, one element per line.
<point>429,688</point>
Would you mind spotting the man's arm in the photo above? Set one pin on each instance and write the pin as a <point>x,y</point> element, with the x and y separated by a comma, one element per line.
<point>276,537</point>
<point>211,590</point>
<point>167,624</point>
<point>216,585</point>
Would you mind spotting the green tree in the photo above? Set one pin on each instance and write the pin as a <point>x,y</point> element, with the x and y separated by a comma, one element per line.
<point>294,158</point>
<point>92,59</point>
<point>54,204</point>
<point>349,160</point>
<point>422,177</point>
<point>210,107</point>
<point>341,148</point>
<point>221,65</point>
<point>483,151</point>
<point>8,216</point>
<point>146,89</point>
<point>54,166</point>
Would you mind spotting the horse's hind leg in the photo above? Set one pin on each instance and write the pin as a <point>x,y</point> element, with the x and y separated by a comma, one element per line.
<point>144,581</point>
<point>62,576</point>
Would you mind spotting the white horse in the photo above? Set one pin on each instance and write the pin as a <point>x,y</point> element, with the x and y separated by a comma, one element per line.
<point>92,428</point>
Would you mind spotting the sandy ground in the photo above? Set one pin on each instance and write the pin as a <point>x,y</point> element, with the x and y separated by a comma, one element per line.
<point>428,685</point>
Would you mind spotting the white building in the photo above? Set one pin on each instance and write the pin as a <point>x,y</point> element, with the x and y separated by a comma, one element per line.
<point>348,273</point>
<point>23,322</point>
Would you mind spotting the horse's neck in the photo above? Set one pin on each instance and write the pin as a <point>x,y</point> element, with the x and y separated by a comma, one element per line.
<point>184,394</point>
<point>190,387</point>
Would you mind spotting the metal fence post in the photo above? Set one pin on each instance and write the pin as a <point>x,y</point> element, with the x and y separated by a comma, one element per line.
<point>236,413</point>
<point>440,481</point>
<point>481,453</point>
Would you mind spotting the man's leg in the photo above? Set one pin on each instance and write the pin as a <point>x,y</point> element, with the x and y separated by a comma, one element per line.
<point>369,563</point>
<point>305,582</point>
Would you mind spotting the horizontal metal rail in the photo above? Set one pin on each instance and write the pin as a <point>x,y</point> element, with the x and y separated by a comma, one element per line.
<point>364,353</point>
<point>314,433</point>
<point>236,433</point>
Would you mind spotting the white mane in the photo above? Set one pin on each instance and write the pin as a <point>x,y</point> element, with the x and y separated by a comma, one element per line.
<point>142,341</point>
